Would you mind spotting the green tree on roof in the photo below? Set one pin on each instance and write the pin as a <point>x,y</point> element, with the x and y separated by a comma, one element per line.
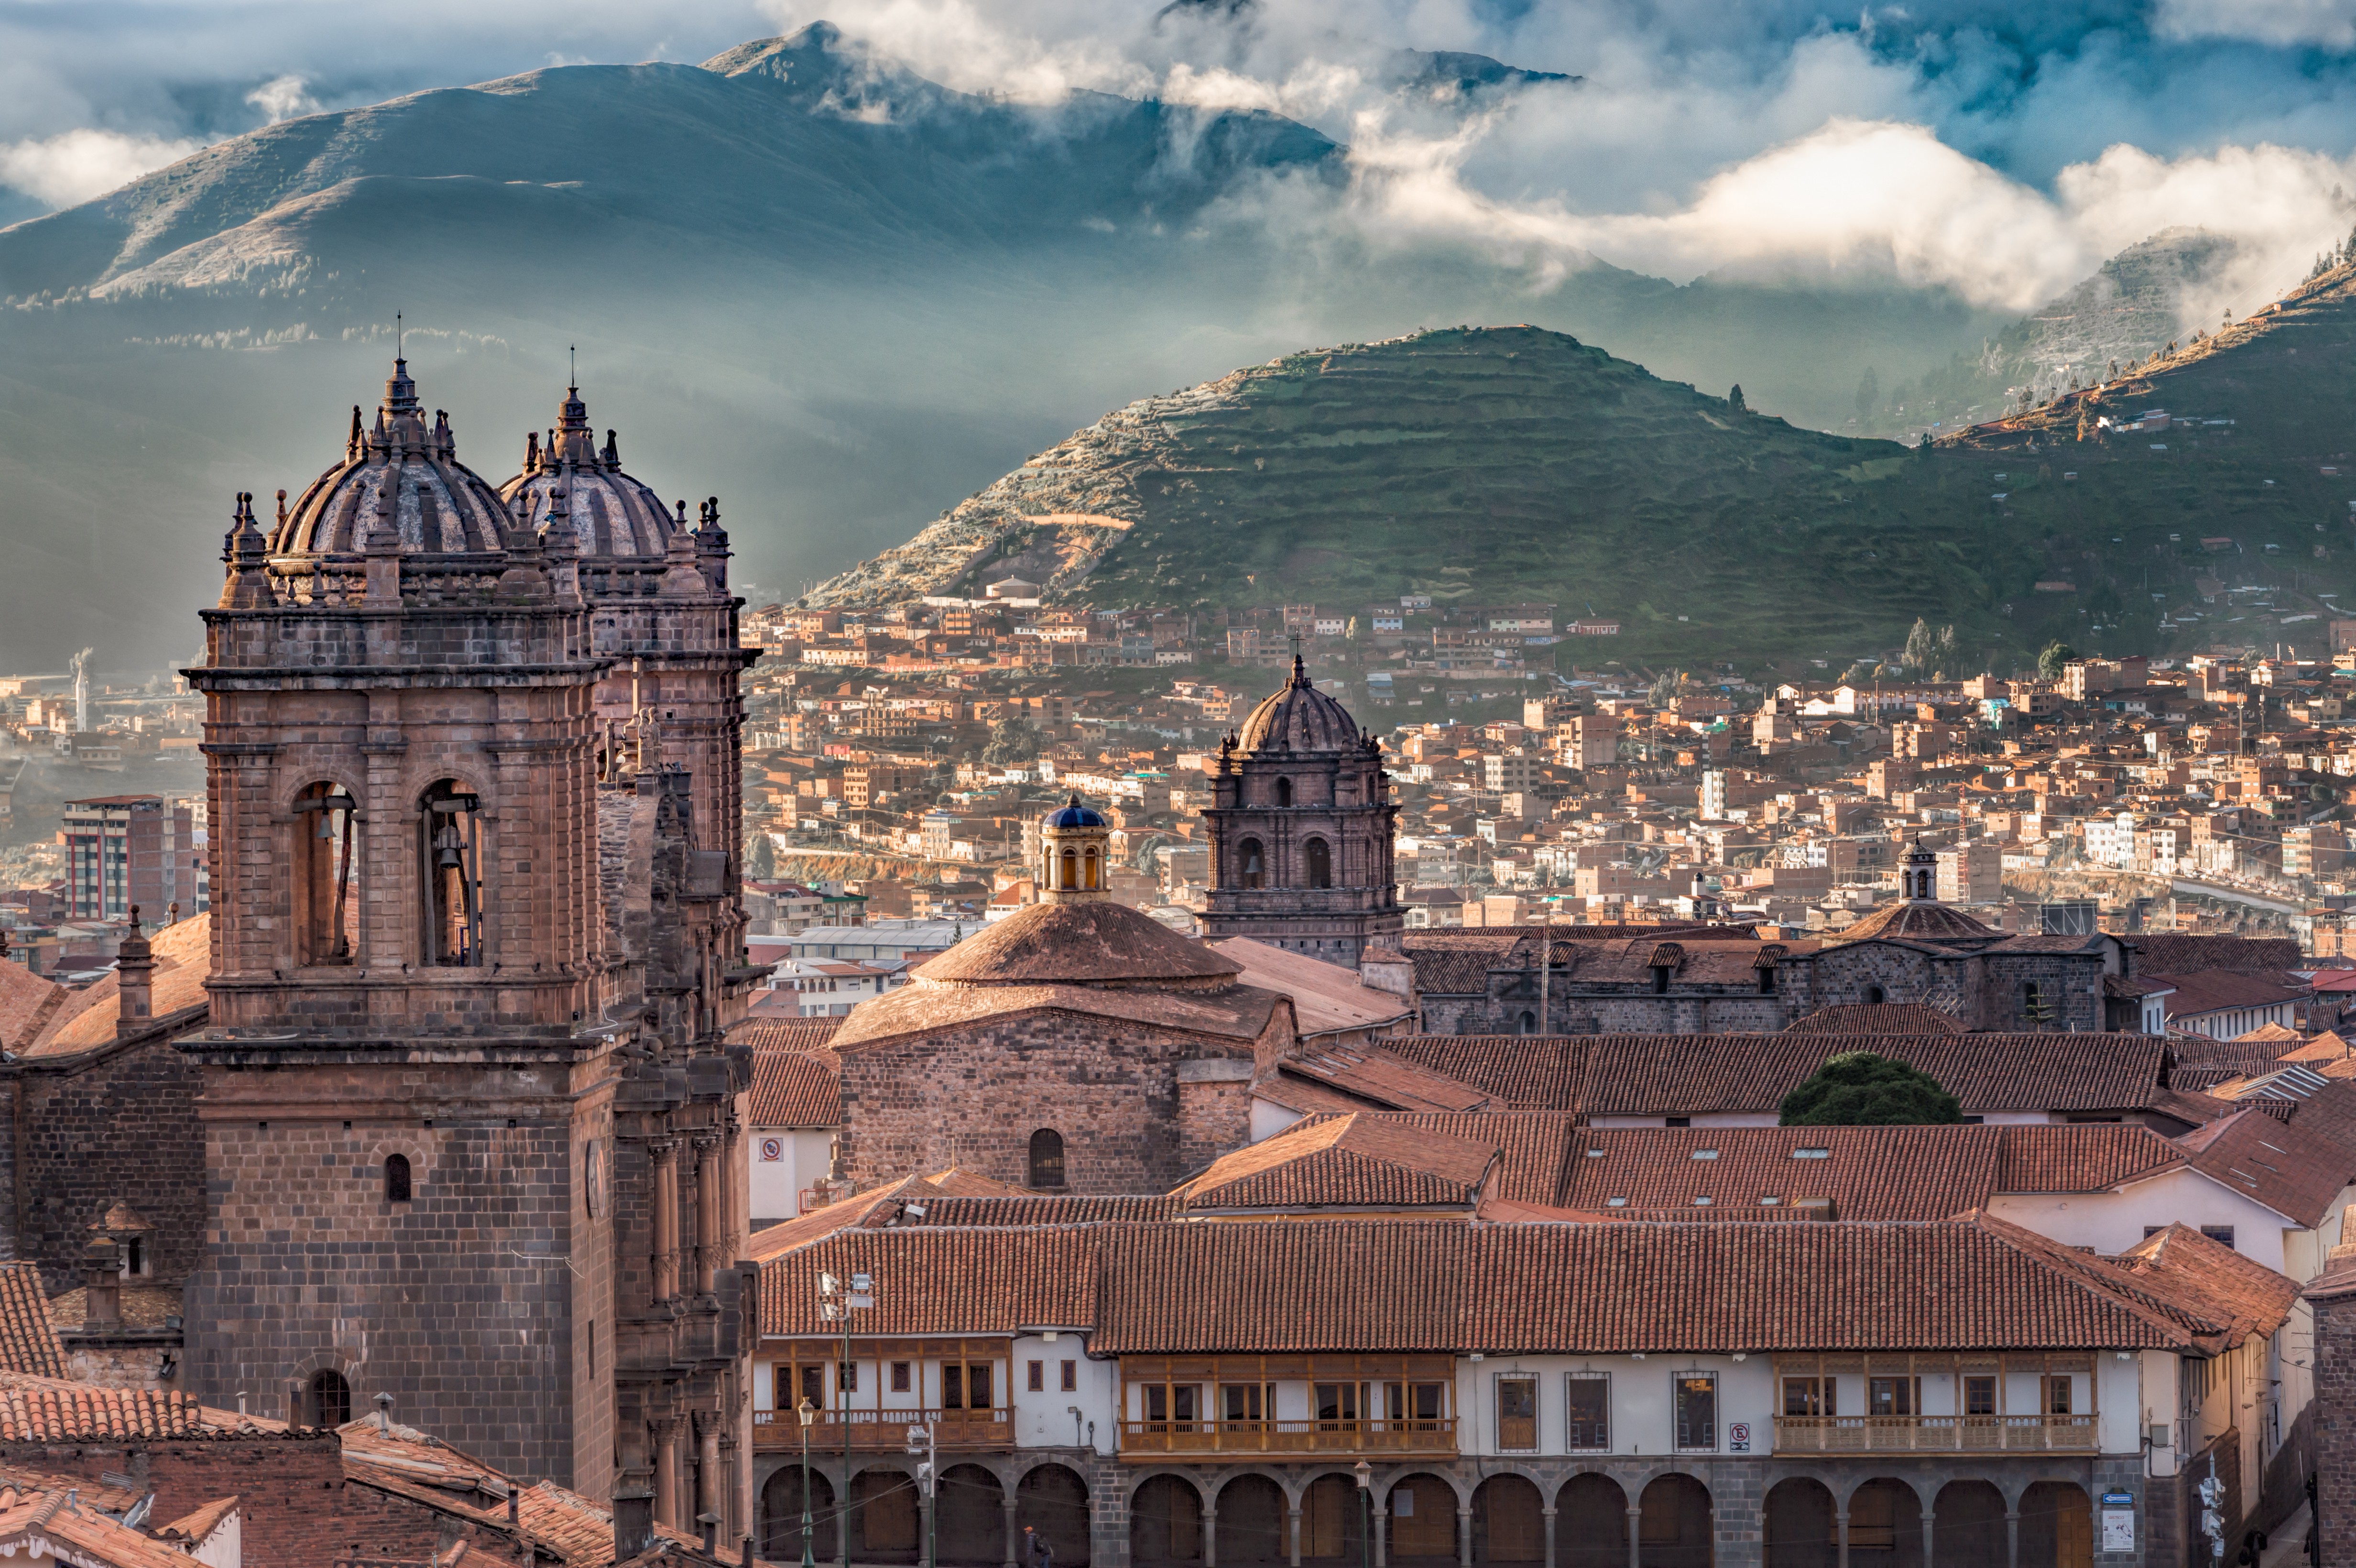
<point>1861,1088</point>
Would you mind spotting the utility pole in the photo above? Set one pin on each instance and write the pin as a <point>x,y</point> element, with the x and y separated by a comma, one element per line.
<point>860,1295</point>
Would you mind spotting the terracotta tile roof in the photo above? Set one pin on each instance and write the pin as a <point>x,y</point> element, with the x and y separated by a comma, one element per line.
<point>2187,1106</point>
<point>875,1207</point>
<point>195,1525</point>
<point>2128,987</point>
<point>1236,1013</point>
<point>1729,1214</point>
<point>937,1280</point>
<point>85,1535</point>
<point>1077,943</point>
<point>2177,952</point>
<point>1533,1147</point>
<point>795,1088</point>
<point>1876,1017</point>
<point>53,1410</point>
<point>1309,1097</point>
<point>2197,1052</point>
<point>1346,1162</point>
<point>1653,1074</point>
<point>1911,921</point>
<point>184,956</point>
<point>28,1338</point>
<point>2294,1171</point>
<point>1601,1289</point>
<point>958,1183</point>
<point>2088,1157</point>
<point>27,1003</point>
<point>1326,998</point>
<point>785,1034</point>
<point>2273,1031</point>
<point>1370,1076</point>
<point>1456,960</point>
<point>2212,990</point>
<point>141,1306</point>
<point>2324,1048</point>
<point>1035,1209</point>
<point>2215,1277</point>
<point>113,1499</point>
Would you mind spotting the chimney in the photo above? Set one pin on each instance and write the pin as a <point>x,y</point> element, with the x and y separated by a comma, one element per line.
<point>102,1279</point>
<point>135,967</point>
<point>634,1522</point>
<point>514,1506</point>
<point>711,1523</point>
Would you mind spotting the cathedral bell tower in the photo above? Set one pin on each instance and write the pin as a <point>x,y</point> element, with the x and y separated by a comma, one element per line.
<point>1300,822</point>
<point>473,957</point>
<point>1075,855</point>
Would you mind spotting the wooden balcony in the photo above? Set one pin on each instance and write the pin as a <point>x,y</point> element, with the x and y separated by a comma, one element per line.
<point>1935,1435</point>
<point>1144,1440</point>
<point>954,1431</point>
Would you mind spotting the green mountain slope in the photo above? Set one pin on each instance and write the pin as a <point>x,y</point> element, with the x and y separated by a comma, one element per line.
<point>1513,464</point>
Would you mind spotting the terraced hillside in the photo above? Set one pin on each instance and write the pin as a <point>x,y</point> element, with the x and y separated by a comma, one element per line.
<point>1514,464</point>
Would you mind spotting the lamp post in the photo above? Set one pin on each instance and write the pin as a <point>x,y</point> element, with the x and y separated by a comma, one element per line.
<point>808,1412</point>
<point>921,1441</point>
<point>858,1295</point>
<point>1365,1478</point>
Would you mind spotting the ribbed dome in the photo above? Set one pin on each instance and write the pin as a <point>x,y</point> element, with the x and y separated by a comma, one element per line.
<point>1915,920</point>
<point>613,516</point>
<point>1076,815</point>
<point>401,473</point>
<point>1300,717</point>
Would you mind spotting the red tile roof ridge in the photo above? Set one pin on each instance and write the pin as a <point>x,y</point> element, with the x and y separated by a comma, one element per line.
<point>202,1520</point>
<point>2256,1299</point>
<point>1230,1012</point>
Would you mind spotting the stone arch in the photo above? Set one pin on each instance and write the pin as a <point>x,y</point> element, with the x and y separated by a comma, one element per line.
<point>380,1152</point>
<point>887,1522</point>
<point>1316,863</point>
<point>1885,1521</point>
<point>1675,1522</point>
<point>1421,1508</point>
<point>2057,1526</point>
<point>1796,1521</point>
<point>1332,1519</point>
<point>1590,1525</point>
<point>326,854</point>
<point>1253,1512</point>
<point>969,1517</point>
<point>1045,1166</point>
<point>1508,1521</point>
<point>1251,863</point>
<point>1969,1523</point>
<point>456,848</point>
<point>1053,1500</point>
<point>1165,1521</point>
<point>781,1514</point>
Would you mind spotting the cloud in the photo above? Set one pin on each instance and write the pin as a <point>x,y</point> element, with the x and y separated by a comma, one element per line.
<point>75,165</point>
<point>2331,23</point>
<point>284,98</point>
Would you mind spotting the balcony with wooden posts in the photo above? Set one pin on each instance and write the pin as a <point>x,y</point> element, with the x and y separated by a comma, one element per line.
<point>954,1431</point>
<point>1937,1404</point>
<point>1287,1407</point>
<point>1280,1439</point>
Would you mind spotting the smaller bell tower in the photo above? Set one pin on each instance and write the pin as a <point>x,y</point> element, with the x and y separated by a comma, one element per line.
<point>1075,855</point>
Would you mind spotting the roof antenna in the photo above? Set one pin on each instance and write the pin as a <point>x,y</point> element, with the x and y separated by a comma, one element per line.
<point>396,335</point>
<point>572,367</point>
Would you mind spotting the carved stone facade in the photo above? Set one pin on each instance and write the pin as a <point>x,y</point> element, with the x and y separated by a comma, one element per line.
<point>470,1138</point>
<point>1301,824</point>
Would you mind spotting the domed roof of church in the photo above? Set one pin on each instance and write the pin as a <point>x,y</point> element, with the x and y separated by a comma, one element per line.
<point>399,474</point>
<point>1075,815</point>
<point>1916,920</point>
<point>1299,717</point>
<point>1097,943</point>
<point>613,516</point>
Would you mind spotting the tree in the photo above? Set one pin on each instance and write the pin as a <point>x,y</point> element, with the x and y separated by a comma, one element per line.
<point>1922,647</point>
<point>2051,659</point>
<point>1945,655</point>
<point>1664,690</point>
<point>1012,742</point>
<point>1734,399</point>
<point>1859,1089</point>
<point>761,858</point>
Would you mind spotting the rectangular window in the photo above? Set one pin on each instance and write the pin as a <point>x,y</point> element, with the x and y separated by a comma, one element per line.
<point>1893,1396</point>
<point>1698,1412</point>
<point>952,1385</point>
<point>1071,1376</point>
<point>1587,1411</point>
<point>2221,1234</point>
<point>811,1379</point>
<point>900,1377</point>
<point>1337,1402</point>
<point>976,1386</point>
<point>1170,1401</point>
<point>1246,1402</point>
<point>1038,1377</point>
<point>1809,1396</point>
<point>1979,1397</point>
<point>1517,1414</point>
<point>2057,1395</point>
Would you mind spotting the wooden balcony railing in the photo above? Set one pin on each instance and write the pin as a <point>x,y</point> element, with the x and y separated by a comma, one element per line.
<point>1146,1439</point>
<point>964,1431</point>
<point>1935,1435</point>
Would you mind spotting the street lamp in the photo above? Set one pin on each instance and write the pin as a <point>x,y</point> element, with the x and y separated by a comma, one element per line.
<point>808,1412</point>
<point>921,1441</point>
<point>1366,1475</point>
<point>859,1296</point>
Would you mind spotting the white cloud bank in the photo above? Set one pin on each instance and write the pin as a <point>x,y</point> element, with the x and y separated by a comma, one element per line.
<point>2331,23</point>
<point>75,165</point>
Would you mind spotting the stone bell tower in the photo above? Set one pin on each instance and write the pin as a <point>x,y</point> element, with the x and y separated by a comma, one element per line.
<point>468,1121</point>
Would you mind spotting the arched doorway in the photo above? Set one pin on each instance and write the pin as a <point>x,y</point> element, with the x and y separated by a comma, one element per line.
<point>1674,1530</point>
<point>1591,1523</point>
<point>970,1518</point>
<point>1885,1525</point>
<point>1422,1511</point>
<point>1331,1521</point>
<point>1969,1523</point>
<point>886,1520</point>
<point>1508,1521</point>
<point>1165,1523</point>
<point>1318,859</point>
<point>1053,1501</point>
<point>1253,1523</point>
<point>1799,1525</point>
<point>781,1515</point>
<point>2057,1527</point>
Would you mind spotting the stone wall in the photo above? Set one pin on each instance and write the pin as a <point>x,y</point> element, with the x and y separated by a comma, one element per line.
<point>117,1123</point>
<point>2335,1414</point>
<point>288,1483</point>
<point>972,1097</point>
